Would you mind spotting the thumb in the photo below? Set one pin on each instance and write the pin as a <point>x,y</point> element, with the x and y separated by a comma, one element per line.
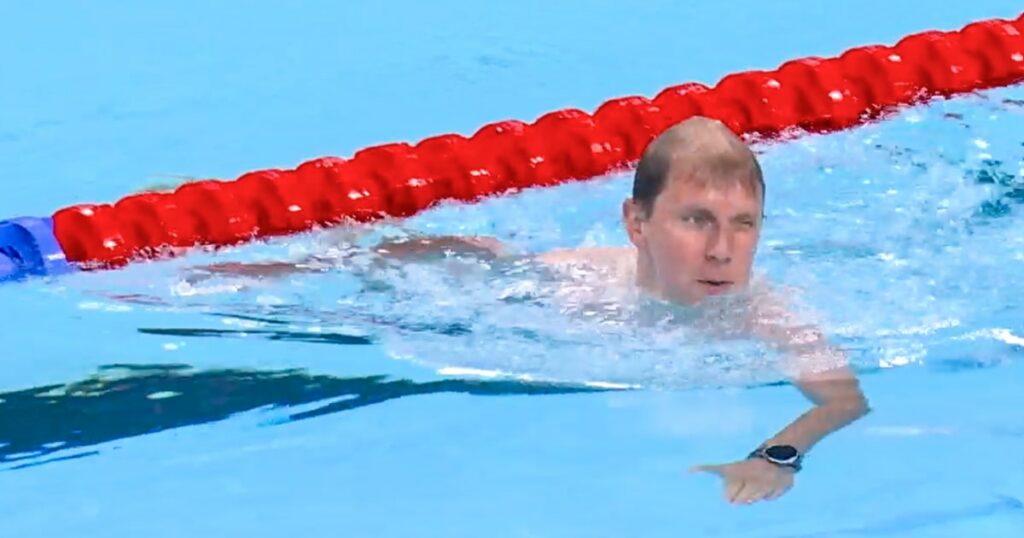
<point>716,469</point>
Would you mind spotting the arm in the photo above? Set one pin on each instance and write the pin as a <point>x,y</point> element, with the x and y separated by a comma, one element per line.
<point>415,248</point>
<point>822,374</point>
<point>427,247</point>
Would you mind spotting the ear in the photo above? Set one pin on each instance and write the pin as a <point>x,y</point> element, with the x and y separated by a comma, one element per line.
<point>633,217</point>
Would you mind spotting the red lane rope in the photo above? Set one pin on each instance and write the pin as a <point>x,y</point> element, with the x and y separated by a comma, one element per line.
<point>398,180</point>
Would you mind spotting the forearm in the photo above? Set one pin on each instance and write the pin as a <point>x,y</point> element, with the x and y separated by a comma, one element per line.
<point>260,269</point>
<point>822,420</point>
<point>424,247</point>
<point>822,373</point>
<point>412,248</point>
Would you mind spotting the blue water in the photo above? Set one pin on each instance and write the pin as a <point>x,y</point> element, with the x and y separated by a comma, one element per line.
<point>134,403</point>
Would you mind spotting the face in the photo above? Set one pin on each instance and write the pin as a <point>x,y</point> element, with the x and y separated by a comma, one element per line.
<point>698,240</point>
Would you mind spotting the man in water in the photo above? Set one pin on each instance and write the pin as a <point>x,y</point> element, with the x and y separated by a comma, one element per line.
<point>694,221</point>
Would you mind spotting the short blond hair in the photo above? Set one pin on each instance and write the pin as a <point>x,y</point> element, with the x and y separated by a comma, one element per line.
<point>708,150</point>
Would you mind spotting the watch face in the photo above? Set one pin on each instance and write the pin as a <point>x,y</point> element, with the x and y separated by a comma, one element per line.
<point>781,453</point>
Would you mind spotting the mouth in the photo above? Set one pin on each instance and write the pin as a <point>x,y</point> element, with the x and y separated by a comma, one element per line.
<point>715,286</point>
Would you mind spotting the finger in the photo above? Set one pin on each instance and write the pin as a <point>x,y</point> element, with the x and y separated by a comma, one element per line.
<point>733,490</point>
<point>752,493</point>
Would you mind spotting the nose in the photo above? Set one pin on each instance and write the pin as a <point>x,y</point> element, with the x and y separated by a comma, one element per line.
<point>719,246</point>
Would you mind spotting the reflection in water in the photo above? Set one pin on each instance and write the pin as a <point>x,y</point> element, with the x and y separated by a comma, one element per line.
<point>123,401</point>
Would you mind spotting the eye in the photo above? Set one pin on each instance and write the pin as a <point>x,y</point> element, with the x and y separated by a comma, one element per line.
<point>695,220</point>
<point>746,223</point>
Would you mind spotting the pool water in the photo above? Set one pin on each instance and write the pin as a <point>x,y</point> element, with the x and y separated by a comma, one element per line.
<point>146,401</point>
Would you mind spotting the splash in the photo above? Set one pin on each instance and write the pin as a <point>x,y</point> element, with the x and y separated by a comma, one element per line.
<point>897,239</point>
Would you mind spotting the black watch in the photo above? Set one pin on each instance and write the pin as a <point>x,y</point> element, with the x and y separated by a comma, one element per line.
<point>781,455</point>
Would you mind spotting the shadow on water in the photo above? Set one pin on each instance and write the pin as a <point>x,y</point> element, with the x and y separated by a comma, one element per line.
<point>123,401</point>
<point>286,336</point>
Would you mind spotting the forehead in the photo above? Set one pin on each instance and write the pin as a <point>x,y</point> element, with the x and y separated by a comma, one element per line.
<point>732,195</point>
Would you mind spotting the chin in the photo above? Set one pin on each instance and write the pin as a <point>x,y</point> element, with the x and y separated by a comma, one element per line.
<point>687,298</point>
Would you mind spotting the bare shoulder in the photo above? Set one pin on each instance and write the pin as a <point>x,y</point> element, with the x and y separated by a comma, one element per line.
<point>796,329</point>
<point>775,316</point>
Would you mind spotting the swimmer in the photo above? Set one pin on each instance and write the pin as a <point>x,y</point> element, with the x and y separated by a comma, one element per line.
<point>694,221</point>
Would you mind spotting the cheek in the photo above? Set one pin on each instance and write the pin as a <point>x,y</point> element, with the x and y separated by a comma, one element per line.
<point>677,246</point>
<point>746,248</point>
<point>747,245</point>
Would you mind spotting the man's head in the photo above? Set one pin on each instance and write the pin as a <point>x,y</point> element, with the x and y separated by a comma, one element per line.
<point>696,211</point>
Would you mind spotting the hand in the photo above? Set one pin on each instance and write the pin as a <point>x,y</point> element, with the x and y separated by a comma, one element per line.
<point>752,480</point>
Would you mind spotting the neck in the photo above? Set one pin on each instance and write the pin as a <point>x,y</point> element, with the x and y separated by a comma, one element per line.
<point>645,277</point>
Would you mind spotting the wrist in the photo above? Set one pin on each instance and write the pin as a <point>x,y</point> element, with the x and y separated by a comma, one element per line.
<point>785,456</point>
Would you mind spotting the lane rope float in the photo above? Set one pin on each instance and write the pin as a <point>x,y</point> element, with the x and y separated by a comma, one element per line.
<point>400,179</point>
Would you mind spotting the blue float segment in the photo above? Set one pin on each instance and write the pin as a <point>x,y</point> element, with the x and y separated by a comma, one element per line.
<point>8,269</point>
<point>29,248</point>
